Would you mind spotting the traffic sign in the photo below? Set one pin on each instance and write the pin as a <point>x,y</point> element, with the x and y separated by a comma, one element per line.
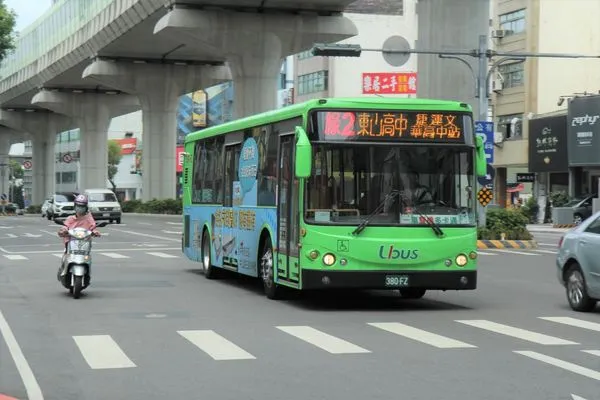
<point>27,164</point>
<point>484,196</point>
<point>67,158</point>
<point>485,129</point>
<point>488,179</point>
<point>396,43</point>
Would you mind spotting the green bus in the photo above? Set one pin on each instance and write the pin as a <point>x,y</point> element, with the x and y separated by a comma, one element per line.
<point>364,193</point>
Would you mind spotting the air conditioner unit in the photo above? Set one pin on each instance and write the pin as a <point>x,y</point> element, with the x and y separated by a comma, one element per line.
<point>498,137</point>
<point>499,33</point>
<point>497,85</point>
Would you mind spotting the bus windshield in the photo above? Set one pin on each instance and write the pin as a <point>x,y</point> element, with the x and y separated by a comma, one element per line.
<point>350,181</point>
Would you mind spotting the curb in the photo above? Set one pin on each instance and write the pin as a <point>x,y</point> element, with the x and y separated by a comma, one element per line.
<point>506,244</point>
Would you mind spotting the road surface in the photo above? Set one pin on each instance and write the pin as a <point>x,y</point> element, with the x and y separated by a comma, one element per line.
<point>151,326</point>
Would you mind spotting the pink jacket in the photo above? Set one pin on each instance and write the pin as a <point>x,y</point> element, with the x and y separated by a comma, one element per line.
<point>86,221</point>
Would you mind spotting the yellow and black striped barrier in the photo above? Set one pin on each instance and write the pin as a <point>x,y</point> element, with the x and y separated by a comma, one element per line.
<point>564,226</point>
<point>506,244</point>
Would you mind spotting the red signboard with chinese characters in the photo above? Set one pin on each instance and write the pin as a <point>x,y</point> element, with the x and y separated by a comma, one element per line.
<point>179,159</point>
<point>407,126</point>
<point>128,145</point>
<point>389,83</point>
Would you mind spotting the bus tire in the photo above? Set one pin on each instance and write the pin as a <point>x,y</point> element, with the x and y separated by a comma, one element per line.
<point>267,270</point>
<point>207,267</point>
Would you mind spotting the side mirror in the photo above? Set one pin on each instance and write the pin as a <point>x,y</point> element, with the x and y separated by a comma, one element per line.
<point>480,161</point>
<point>303,165</point>
<point>101,224</point>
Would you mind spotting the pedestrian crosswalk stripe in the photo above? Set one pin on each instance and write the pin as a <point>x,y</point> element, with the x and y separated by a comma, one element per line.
<point>420,335</point>
<point>162,255</point>
<point>592,352</point>
<point>114,255</point>
<point>325,341</point>
<point>102,352</point>
<point>215,345</point>
<point>578,369</point>
<point>578,323</point>
<point>14,257</point>
<point>486,254</point>
<point>516,332</point>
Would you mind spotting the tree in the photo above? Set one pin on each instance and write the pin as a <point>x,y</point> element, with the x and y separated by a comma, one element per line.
<point>17,195</point>
<point>114,159</point>
<point>7,25</point>
<point>16,170</point>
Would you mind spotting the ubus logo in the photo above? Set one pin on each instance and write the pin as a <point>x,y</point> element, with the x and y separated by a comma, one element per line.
<point>390,253</point>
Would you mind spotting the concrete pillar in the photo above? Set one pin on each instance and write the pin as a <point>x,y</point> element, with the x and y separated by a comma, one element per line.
<point>500,186</point>
<point>158,88</point>
<point>4,164</point>
<point>254,45</point>
<point>41,128</point>
<point>92,113</point>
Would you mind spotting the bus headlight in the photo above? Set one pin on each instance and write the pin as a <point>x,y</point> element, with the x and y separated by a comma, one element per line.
<point>472,255</point>
<point>329,259</point>
<point>461,260</point>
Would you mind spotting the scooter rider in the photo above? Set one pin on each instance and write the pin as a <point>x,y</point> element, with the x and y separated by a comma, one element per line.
<point>81,219</point>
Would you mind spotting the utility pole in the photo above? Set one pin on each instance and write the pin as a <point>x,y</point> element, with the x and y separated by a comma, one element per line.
<point>399,46</point>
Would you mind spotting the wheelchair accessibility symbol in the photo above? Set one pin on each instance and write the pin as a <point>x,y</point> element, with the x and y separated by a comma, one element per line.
<point>343,246</point>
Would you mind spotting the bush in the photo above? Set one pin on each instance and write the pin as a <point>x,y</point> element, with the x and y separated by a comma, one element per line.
<point>510,222</point>
<point>34,209</point>
<point>531,209</point>
<point>559,199</point>
<point>166,206</point>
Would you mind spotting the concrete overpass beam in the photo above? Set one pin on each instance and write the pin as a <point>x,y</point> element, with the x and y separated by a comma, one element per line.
<point>254,45</point>
<point>41,128</point>
<point>92,113</point>
<point>158,88</point>
<point>5,143</point>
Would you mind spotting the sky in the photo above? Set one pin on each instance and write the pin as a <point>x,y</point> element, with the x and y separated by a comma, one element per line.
<point>27,11</point>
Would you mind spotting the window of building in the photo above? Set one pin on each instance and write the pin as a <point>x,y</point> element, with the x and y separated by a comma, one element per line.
<point>514,22</point>
<point>511,126</point>
<point>313,83</point>
<point>512,74</point>
<point>305,54</point>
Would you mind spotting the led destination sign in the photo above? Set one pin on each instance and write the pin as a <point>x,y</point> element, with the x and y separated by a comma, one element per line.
<point>405,126</point>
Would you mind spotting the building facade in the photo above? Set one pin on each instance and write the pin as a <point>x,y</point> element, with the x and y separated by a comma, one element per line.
<point>369,75</point>
<point>529,90</point>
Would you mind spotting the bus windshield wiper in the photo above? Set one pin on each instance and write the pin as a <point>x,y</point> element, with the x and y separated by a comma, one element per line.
<point>365,221</point>
<point>429,221</point>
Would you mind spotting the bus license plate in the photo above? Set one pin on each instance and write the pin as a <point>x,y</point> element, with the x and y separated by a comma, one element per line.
<point>396,280</point>
<point>106,215</point>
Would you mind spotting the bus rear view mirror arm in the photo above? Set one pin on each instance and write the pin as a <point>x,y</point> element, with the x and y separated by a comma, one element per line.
<point>303,165</point>
<point>480,160</point>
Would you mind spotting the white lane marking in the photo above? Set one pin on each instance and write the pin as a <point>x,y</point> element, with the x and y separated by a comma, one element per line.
<point>31,235</point>
<point>102,352</point>
<point>14,257</point>
<point>114,255</point>
<point>575,397</point>
<point>162,255</point>
<point>592,352</point>
<point>325,341</point>
<point>58,255</point>
<point>515,252</point>
<point>11,236</point>
<point>578,323</point>
<point>145,223</point>
<point>578,369</point>
<point>486,254</point>
<point>548,244</point>
<point>518,333</point>
<point>55,234</point>
<point>172,232</point>
<point>94,251</point>
<point>441,342</point>
<point>544,251</point>
<point>216,346</point>
<point>148,235</point>
<point>175,223</point>
<point>34,392</point>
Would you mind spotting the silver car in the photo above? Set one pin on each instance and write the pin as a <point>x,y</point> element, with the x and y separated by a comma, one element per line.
<point>578,262</point>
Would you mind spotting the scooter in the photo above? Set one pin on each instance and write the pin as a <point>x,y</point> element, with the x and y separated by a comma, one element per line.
<point>74,272</point>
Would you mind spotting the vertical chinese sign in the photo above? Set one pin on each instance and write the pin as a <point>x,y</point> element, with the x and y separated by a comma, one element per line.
<point>389,83</point>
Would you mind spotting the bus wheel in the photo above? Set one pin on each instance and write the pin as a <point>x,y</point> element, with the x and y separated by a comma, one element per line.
<point>207,268</point>
<point>412,293</point>
<point>267,271</point>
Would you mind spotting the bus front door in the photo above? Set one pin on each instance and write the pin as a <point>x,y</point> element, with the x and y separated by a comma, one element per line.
<point>287,224</point>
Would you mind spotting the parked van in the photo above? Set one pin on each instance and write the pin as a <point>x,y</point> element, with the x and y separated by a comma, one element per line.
<point>103,205</point>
